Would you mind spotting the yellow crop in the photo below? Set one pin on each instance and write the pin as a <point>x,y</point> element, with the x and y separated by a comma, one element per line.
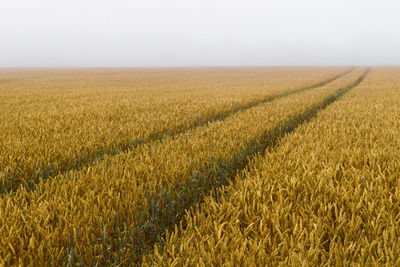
<point>113,211</point>
<point>54,121</point>
<point>326,195</point>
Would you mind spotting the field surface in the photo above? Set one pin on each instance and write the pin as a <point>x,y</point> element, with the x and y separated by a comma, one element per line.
<point>275,166</point>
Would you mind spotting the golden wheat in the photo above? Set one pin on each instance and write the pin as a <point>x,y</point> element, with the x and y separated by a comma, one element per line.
<point>52,121</point>
<point>111,211</point>
<point>328,194</point>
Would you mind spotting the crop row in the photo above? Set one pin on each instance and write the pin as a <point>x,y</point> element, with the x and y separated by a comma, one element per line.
<point>112,211</point>
<point>327,195</point>
<point>54,123</point>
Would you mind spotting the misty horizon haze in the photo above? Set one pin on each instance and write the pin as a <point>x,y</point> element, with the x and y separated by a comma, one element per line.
<point>179,33</point>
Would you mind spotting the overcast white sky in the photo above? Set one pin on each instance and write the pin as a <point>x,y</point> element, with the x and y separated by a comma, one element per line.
<point>47,33</point>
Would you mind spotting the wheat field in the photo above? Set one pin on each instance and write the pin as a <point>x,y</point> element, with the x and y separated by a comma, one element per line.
<point>278,166</point>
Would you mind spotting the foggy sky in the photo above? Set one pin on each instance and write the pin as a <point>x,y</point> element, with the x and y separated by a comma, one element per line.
<point>61,33</point>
